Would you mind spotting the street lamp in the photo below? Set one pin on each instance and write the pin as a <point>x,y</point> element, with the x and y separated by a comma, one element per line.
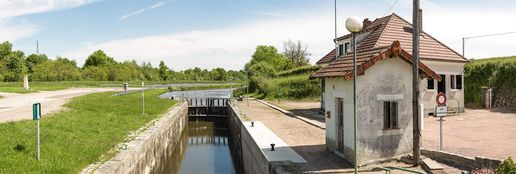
<point>354,25</point>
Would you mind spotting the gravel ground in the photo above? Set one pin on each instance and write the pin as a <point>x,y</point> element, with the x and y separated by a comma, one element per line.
<point>474,133</point>
<point>15,107</point>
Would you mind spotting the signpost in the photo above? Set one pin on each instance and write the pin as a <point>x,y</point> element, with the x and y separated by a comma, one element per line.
<point>441,111</point>
<point>143,99</point>
<point>36,115</point>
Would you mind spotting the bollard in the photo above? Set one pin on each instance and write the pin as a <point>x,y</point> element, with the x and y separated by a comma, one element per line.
<point>252,123</point>
<point>272,146</point>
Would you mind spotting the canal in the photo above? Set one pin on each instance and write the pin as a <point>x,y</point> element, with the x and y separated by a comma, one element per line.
<point>205,142</point>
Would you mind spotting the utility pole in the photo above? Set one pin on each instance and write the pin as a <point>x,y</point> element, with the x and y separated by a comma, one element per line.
<point>37,47</point>
<point>416,133</point>
<point>336,42</point>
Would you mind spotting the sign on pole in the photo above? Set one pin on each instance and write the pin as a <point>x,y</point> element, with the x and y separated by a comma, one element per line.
<point>441,111</point>
<point>36,115</point>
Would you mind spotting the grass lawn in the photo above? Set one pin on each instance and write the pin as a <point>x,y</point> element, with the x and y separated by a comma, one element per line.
<point>17,87</point>
<point>73,139</point>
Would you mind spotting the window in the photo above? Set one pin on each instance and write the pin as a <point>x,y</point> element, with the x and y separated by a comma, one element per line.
<point>341,50</point>
<point>346,47</point>
<point>430,84</point>
<point>390,114</point>
<point>456,81</point>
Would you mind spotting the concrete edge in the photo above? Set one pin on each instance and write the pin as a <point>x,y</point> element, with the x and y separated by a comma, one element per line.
<point>286,112</point>
<point>135,137</point>
<point>460,161</point>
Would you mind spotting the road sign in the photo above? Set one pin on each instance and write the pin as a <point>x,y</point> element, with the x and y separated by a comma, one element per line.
<point>441,99</point>
<point>441,111</point>
<point>36,115</point>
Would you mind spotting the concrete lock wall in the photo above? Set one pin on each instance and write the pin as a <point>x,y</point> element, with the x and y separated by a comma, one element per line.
<point>251,148</point>
<point>245,148</point>
<point>150,148</point>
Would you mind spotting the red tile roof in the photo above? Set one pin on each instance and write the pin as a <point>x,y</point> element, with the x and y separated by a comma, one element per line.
<point>343,67</point>
<point>385,30</point>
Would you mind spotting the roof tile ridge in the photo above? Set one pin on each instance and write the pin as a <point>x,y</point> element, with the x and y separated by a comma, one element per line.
<point>433,38</point>
<point>383,29</point>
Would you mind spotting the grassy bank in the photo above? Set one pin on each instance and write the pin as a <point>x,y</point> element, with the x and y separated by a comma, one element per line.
<point>82,135</point>
<point>290,84</point>
<point>17,87</point>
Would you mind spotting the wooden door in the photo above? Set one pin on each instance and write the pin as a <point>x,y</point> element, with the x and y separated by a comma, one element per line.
<point>340,124</point>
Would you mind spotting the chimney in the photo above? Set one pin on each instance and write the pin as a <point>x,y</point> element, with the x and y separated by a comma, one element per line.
<point>366,23</point>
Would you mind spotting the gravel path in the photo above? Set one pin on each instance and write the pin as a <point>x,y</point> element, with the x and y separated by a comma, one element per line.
<point>474,133</point>
<point>15,107</point>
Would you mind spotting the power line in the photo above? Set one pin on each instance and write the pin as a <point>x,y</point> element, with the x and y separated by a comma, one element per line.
<point>390,8</point>
<point>487,35</point>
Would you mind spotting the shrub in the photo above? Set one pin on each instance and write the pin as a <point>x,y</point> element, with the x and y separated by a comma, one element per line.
<point>494,72</point>
<point>507,167</point>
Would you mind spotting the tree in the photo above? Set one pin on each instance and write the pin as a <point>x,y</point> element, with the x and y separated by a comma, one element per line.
<point>163,70</point>
<point>99,58</point>
<point>35,59</point>
<point>5,49</point>
<point>297,53</point>
<point>15,65</point>
<point>270,55</point>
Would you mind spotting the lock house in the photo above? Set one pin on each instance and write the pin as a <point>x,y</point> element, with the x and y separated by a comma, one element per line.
<point>384,88</point>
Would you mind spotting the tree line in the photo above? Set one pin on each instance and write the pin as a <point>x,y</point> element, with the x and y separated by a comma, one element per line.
<point>283,74</point>
<point>14,65</point>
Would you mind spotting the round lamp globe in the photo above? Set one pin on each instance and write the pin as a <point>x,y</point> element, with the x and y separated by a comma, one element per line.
<point>353,24</point>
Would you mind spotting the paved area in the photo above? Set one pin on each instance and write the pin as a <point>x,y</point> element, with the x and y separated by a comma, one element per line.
<point>15,107</point>
<point>306,139</point>
<point>474,133</point>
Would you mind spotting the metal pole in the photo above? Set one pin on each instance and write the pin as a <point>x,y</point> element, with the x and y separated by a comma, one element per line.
<point>415,85</point>
<point>441,134</point>
<point>37,47</point>
<point>463,42</point>
<point>355,128</point>
<point>247,98</point>
<point>143,98</point>
<point>39,151</point>
<point>336,42</point>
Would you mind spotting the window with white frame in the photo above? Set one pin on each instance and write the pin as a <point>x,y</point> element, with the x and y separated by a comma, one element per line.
<point>346,47</point>
<point>456,81</point>
<point>390,114</point>
<point>341,50</point>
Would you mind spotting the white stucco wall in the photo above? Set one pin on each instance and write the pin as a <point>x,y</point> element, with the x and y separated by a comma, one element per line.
<point>390,78</point>
<point>455,96</point>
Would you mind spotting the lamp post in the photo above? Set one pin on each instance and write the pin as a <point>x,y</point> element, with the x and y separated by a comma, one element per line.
<point>354,25</point>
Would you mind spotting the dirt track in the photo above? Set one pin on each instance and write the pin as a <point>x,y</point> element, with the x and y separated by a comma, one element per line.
<point>15,107</point>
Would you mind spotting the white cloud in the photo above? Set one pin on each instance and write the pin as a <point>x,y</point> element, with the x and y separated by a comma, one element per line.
<point>232,47</point>
<point>228,47</point>
<point>156,5</point>
<point>14,8</point>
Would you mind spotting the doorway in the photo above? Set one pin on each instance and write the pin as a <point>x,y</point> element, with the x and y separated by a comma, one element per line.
<point>441,86</point>
<point>340,124</point>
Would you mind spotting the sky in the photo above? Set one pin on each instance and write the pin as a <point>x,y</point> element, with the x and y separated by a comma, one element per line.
<point>225,33</point>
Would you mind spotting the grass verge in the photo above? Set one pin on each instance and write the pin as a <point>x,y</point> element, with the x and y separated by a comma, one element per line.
<point>73,139</point>
<point>17,87</point>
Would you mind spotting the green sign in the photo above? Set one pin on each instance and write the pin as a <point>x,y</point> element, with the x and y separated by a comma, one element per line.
<point>36,111</point>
